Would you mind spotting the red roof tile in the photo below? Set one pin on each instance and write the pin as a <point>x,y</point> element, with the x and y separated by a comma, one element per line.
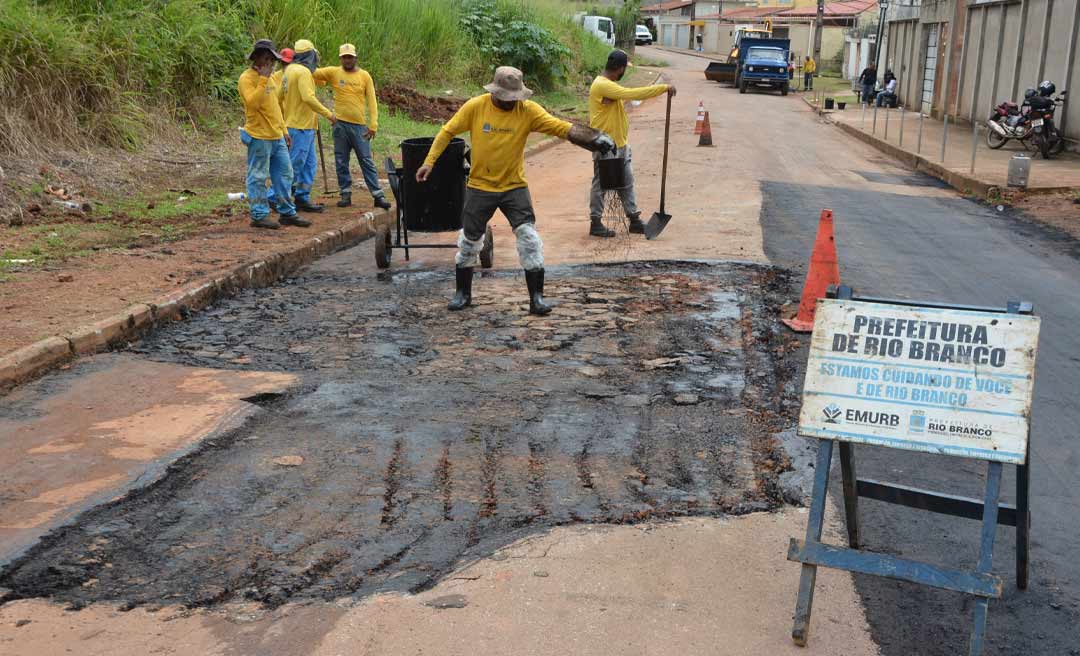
<point>841,8</point>
<point>666,6</point>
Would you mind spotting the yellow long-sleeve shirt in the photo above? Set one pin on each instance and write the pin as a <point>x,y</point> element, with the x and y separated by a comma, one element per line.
<point>607,111</point>
<point>498,140</point>
<point>299,101</point>
<point>354,94</point>
<point>810,66</point>
<point>262,112</point>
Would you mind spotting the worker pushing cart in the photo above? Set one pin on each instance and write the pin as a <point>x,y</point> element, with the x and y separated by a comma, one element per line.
<point>500,122</point>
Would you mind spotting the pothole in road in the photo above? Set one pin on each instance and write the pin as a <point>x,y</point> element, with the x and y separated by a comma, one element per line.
<point>423,438</point>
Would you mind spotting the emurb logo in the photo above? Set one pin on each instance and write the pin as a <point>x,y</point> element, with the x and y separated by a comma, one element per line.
<point>832,413</point>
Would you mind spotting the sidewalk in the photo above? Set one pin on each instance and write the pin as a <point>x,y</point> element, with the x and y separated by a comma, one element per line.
<point>1062,173</point>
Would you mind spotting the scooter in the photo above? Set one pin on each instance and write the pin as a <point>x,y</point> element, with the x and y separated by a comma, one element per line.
<point>1045,134</point>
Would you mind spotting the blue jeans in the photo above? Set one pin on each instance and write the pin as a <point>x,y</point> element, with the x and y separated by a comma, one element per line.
<point>268,160</point>
<point>304,163</point>
<point>867,94</point>
<point>349,139</point>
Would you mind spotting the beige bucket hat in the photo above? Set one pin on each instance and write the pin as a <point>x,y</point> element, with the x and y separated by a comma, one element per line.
<point>508,85</point>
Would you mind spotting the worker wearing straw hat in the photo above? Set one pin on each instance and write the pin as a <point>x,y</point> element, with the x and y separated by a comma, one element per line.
<point>357,113</point>
<point>302,110</point>
<point>500,122</point>
<point>265,137</point>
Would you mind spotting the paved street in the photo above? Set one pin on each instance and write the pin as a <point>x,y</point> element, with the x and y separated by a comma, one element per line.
<point>418,450</point>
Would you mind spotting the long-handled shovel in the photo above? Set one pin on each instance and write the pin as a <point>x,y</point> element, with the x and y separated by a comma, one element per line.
<point>659,219</point>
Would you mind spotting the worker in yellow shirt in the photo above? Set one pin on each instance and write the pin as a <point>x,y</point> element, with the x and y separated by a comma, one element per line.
<point>500,122</point>
<point>264,135</point>
<point>302,110</point>
<point>357,113</point>
<point>809,68</point>
<point>607,112</point>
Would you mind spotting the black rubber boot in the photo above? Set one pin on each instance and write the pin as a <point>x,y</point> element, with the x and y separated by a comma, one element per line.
<point>382,203</point>
<point>597,229</point>
<point>535,281</point>
<point>346,199</point>
<point>463,296</point>
<point>637,226</point>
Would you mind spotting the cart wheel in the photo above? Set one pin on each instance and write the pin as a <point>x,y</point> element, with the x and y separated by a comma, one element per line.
<point>487,255</point>
<point>384,248</point>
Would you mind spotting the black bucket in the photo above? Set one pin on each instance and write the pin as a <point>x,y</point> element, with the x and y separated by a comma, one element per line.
<point>434,205</point>
<point>829,103</point>
<point>612,173</point>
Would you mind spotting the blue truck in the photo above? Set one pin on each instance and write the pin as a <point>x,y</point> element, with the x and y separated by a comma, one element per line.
<point>764,62</point>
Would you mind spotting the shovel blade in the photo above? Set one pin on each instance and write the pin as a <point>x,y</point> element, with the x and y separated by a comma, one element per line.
<point>656,225</point>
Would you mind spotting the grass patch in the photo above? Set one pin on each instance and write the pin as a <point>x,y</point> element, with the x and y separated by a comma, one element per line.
<point>80,71</point>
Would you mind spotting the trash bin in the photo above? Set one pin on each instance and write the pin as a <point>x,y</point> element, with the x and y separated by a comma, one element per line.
<point>434,205</point>
<point>829,102</point>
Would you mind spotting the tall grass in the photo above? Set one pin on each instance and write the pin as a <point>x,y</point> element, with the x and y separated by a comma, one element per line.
<point>75,71</point>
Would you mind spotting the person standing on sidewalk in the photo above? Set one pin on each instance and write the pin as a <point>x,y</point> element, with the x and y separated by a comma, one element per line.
<point>302,110</point>
<point>265,137</point>
<point>357,113</point>
<point>607,113</point>
<point>809,68</point>
<point>868,80</point>
<point>500,122</point>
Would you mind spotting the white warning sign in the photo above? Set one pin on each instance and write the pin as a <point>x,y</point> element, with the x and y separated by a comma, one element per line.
<point>954,382</point>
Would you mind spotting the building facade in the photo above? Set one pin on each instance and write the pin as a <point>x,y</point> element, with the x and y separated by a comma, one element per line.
<point>963,57</point>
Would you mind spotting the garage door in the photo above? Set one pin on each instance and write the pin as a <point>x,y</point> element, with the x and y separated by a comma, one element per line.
<point>930,68</point>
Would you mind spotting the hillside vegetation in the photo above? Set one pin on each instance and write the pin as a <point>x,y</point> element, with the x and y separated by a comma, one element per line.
<point>75,72</point>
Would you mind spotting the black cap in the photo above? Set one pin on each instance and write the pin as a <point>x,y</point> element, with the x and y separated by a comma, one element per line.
<point>616,60</point>
<point>265,44</point>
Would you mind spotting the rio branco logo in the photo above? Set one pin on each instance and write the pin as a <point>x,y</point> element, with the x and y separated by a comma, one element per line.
<point>832,413</point>
<point>917,422</point>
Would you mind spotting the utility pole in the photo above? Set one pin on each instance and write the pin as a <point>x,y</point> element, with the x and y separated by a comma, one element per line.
<point>884,5</point>
<point>817,30</point>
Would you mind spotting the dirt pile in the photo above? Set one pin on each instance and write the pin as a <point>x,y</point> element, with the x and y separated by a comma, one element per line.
<point>418,106</point>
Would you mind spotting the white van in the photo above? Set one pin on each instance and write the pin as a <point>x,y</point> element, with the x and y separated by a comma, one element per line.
<point>600,26</point>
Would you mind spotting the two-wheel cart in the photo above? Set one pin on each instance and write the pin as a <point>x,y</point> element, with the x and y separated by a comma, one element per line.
<point>432,206</point>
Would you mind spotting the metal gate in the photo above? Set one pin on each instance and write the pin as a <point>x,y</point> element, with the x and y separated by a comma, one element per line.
<point>682,36</point>
<point>930,67</point>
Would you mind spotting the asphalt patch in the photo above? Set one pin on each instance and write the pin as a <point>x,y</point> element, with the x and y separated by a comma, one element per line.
<point>422,439</point>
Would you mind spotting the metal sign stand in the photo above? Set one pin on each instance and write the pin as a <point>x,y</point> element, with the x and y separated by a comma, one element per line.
<point>980,583</point>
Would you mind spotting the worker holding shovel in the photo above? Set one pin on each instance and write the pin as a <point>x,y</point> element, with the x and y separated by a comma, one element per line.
<point>500,122</point>
<point>302,109</point>
<point>607,113</point>
<point>357,113</point>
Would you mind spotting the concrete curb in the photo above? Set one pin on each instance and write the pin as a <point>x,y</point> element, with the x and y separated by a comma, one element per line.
<point>141,318</point>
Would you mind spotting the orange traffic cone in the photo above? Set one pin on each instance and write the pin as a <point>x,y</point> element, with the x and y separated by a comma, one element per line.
<point>824,271</point>
<point>700,117</point>
<point>706,132</point>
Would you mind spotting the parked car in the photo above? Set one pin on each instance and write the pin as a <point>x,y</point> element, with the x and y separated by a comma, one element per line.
<point>643,37</point>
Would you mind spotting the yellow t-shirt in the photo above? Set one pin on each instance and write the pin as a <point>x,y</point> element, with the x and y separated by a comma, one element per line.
<point>606,106</point>
<point>299,102</point>
<point>810,66</point>
<point>498,140</point>
<point>354,94</point>
<point>262,113</point>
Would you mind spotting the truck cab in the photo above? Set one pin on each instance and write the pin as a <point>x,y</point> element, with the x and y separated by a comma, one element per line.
<point>601,27</point>
<point>764,62</point>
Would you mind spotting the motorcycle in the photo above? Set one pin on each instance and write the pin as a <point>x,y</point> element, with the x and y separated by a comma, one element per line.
<point>1008,121</point>
<point>1045,134</point>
